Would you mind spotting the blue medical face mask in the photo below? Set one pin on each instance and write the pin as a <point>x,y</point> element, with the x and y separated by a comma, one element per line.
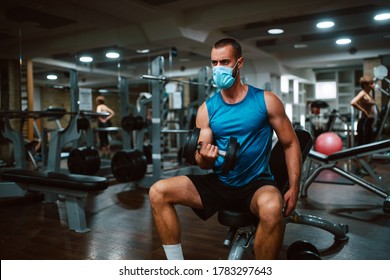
<point>223,76</point>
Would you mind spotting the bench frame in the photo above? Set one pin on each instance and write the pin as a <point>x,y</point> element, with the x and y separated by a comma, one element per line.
<point>74,197</point>
<point>330,162</point>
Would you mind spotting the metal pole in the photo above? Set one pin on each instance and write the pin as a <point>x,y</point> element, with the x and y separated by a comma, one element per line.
<point>157,101</point>
<point>124,107</point>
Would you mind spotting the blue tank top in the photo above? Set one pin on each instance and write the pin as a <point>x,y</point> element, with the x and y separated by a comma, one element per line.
<point>248,122</point>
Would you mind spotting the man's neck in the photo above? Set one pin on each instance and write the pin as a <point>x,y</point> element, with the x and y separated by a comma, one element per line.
<point>236,93</point>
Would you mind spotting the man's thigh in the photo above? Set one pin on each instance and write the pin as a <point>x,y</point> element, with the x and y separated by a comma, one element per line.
<point>181,190</point>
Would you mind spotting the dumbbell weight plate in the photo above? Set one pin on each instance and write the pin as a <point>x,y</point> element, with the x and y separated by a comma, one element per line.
<point>190,146</point>
<point>120,166</point>
<point>82,124</point>
<point>229,161</point>
<point>84,160</point>
<point>76,162</point>
<point>140,164</point>
<point>128,123</point>
<point>306,255</point>
<point>127,166</point>
<point>139,123</point>
<point>302,248</point>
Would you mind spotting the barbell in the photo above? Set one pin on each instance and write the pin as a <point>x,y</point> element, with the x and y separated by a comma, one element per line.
<point>168,79</point>
<point>49,113</point>
<point>191,145</point>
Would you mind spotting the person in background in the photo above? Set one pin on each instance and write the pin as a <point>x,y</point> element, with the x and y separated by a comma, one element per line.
<point>252,115</point>
<point>368,114</point>
<point>103,122</point>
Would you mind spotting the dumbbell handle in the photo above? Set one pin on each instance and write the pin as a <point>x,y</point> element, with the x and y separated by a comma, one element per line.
<point>220,152</point>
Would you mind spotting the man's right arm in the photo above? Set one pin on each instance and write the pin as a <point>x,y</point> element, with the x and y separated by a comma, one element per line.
<point>207,153</point>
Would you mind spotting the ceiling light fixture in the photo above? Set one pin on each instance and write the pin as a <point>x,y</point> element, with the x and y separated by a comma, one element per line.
<point>143,51</point>
<point>51,77</point>
<point>383,16</point>
<point>300,46</point>
<point>343,41</point>
<point>325,24</point>
<point>112,55</point>
<point>86,59</point>
<point>275,31</point>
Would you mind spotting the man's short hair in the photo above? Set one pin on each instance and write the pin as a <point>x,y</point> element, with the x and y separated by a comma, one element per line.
<point>232,42</point>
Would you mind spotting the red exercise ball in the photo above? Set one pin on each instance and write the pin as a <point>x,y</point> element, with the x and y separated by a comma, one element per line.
<point>328,143</point>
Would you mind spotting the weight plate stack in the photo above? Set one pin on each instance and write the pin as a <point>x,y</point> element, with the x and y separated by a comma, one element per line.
<point>84,160</point>
<point>127,166</point>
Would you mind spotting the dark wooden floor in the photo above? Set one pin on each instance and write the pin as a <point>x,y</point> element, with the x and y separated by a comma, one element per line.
<point>122,226</point>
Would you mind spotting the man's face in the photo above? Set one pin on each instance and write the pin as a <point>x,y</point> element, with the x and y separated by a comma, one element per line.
<point>223,57</point>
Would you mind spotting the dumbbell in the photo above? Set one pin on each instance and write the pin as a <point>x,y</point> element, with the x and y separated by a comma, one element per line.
<point>84,160</point>
<point>302,250</point>
<point>191,145</point>
<point>130,123</point>
<point>129,165</point>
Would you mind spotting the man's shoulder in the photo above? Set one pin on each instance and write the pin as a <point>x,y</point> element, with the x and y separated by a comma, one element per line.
<point>256,90</point>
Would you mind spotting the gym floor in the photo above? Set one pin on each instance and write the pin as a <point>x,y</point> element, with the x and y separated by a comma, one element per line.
<point>122,226</point>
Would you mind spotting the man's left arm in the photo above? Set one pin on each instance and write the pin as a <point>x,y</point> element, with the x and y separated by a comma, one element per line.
<point>287,137</point>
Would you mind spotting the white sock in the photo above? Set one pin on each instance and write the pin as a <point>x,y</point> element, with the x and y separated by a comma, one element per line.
<point>173,252</point>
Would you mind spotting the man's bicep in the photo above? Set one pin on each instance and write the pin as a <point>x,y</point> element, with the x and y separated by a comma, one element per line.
<point>202,121</point>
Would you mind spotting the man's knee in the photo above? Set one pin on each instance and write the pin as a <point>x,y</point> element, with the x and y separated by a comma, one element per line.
<point>158,193</point>
<point>270,208</point>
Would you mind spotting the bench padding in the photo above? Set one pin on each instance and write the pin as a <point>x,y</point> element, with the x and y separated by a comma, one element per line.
<point>73,187</point>
<point>58,180</point>
<point>357,151</point>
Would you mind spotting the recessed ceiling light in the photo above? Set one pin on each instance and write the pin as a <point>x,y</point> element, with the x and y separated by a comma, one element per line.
<point>112,55</point>
<point>300,46</point>
<point>343,41</point>
<point>383,16</point>
<point>325,24</point>
<point>86,59</point>
<point>275,31</point>
<point>51,77</point>
<point>143,51</point>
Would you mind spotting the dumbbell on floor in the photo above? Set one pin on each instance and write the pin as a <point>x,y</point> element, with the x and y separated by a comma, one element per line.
<point>84,160</point>
<point>191,145</point>
<point>302,250</point>
<point>129,165</point>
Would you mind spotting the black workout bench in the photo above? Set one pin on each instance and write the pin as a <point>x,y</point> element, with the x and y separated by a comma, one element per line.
<point>330,162</point>
<point>73,187</point>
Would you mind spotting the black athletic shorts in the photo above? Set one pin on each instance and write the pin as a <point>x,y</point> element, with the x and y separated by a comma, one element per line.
<point>216,196</point>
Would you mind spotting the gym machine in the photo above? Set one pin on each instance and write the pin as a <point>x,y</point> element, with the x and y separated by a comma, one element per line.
<point>380,73</point>
<point>132,158</point>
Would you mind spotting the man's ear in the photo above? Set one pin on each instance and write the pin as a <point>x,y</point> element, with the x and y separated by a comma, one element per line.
<point>240,62</point>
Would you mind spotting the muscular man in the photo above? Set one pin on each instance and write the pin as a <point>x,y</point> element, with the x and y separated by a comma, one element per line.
<point>251,115</point>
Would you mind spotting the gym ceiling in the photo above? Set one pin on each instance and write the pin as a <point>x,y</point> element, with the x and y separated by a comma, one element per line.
<point>55,33</point>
